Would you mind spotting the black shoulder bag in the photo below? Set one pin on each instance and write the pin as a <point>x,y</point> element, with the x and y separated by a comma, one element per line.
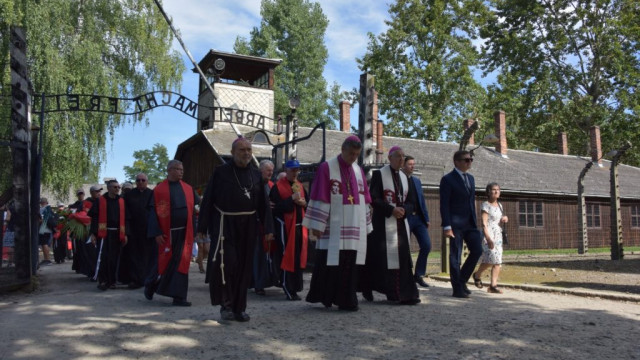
<point>505,239</point>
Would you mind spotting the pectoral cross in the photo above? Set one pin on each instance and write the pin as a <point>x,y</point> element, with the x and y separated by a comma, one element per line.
<point>247,194</point>
<point>350,198</point>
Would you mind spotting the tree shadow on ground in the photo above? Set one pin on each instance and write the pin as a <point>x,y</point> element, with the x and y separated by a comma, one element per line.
<point>73,320</point>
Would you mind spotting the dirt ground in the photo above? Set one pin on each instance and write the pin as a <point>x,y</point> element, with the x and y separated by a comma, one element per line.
<point>68,318</point>
<point>585,272</point>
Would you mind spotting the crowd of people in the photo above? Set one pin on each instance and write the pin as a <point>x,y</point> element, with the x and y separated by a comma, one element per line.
<point>253,231</point>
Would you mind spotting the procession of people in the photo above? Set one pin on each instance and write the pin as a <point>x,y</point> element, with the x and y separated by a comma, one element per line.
<point>259,230</point>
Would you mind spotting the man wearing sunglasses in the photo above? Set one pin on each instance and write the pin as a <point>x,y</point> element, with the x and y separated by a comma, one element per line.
<point>109,232</point>
<point>138,251</point>
<point>459,223</point>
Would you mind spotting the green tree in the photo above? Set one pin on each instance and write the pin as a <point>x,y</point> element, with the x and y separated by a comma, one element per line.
<point>566,66</point>
<point>293,30</point>
<point>423,64</point>
<point>152,162</point>
<point>111,48</point>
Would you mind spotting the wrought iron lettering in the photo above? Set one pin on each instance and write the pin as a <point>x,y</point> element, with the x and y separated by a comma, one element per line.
<point>146,102</point>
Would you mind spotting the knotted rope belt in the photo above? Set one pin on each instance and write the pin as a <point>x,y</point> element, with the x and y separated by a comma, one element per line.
<point>219,247</point>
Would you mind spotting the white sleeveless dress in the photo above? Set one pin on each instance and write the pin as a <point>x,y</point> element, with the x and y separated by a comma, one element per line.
<point>492,256</point>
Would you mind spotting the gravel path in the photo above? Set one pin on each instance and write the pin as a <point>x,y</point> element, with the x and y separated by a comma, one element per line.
<point>68,318</point>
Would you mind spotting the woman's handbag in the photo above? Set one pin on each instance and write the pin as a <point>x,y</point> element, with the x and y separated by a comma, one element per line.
<point>505,239</point>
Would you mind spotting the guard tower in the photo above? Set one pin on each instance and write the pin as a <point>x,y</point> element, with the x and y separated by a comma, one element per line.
<point>243,86</point>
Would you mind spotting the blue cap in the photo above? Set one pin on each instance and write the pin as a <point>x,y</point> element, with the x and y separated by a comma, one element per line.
<point>292,164</point>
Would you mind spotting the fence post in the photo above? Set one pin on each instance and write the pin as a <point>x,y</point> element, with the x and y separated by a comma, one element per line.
<point>21,137</point>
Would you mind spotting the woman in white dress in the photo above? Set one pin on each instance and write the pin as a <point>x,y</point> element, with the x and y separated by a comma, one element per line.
<point>492,216</point>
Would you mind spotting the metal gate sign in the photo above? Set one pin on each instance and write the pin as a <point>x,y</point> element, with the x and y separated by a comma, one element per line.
<point>142,103</point>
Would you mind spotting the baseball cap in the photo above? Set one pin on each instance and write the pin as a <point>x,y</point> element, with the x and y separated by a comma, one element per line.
<point>96,188</point>
<point>80,191</point>
<point>292,164</point>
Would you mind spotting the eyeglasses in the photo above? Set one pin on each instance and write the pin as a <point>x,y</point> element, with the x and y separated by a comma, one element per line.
<point>141,180</point>
<point>468,160</point>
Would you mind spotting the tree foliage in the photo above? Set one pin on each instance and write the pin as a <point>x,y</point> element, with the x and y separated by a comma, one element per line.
<point>111,48</point>
<point>293,30</point>
<point>566,66</point>
<point>423,66</point>
<point>152,162</point>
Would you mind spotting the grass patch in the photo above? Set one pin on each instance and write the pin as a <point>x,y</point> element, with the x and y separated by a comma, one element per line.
<point>636,249</point>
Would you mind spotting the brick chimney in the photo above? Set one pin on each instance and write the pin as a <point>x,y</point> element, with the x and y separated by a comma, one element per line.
<point>501,132</point>
<point>563,148</point>
<point>345,116</point>
<point>467,124</point>
<point>379,152</point>
<point>596,146</point>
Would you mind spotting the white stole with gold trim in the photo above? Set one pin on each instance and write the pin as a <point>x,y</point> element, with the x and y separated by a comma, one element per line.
<point>391,225</point>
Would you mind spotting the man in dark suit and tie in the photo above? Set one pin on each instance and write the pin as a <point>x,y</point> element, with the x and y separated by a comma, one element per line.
<point>418,222</point>
<point>458,212</point>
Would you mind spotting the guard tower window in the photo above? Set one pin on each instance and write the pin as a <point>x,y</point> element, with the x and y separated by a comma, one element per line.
<point>259,138</point>
<point>262,81</point>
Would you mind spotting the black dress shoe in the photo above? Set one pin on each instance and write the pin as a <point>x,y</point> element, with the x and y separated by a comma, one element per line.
<point>420,281</point>
<point>461,295</point>
<point>409,302</point>
<point>181,302</point>
<point>226,314</point>
<point>466,290</point>
<point>260,292</point>
<point>241,316</point>
<point>103,286</point>
<point>148,293</point>
<point>294,297</point>
<point>367,295</point>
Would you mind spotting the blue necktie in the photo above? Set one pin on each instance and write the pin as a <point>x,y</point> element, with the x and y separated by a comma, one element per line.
<point>466,181</point>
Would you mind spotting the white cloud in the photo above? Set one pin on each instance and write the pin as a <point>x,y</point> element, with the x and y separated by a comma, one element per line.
<point>213,24</point>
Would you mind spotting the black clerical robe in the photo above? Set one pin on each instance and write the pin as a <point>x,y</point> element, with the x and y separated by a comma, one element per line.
<point>135,256</point>
<point>108,257</point>
<point>173,283</point>
<point>397,284</point>
<point>236,195</point>
<point>80,262</point>
<point>266,260</point>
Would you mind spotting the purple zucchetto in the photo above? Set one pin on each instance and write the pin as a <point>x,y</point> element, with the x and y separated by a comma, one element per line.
<point>353,138</point>
<point>394,148</point>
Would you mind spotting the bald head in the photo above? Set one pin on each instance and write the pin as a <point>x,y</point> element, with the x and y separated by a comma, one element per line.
<point>241,152</point>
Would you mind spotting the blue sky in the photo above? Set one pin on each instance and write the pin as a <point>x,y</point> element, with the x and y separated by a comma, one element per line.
<point>214,24</point>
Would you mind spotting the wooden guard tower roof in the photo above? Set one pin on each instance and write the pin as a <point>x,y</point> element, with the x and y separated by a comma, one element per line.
<point>239,67</point>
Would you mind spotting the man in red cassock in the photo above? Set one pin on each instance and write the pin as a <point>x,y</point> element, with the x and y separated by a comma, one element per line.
<point>290,200</point>
<point>171,224</point>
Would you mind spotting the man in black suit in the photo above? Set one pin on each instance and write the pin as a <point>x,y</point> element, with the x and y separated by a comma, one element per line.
<point>459,223</point>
